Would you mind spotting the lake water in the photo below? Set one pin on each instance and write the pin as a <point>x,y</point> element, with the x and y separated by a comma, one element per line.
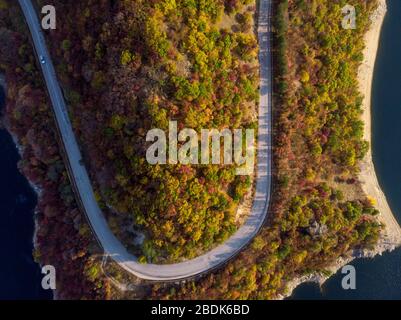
<point>379,278</point>
<point>20,276</point>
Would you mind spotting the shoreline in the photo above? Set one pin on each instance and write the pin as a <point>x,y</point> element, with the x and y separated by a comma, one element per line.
<point>368,177</point>
<point>391,237</point>
<point>36,189</point>
<point>369,182</point>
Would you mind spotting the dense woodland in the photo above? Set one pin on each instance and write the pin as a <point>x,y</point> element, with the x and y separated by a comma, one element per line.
<point>131,65</point>
<point>63,237</point>
<point>318,212</point>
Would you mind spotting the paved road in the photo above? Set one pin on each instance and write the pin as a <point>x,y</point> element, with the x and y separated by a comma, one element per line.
<point>83,188</point>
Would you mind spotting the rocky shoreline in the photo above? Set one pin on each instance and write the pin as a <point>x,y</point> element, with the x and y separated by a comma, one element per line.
<point>20,148</point>
<point>391,237</point>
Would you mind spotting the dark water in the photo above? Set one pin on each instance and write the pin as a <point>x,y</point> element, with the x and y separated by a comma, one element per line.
<point>20,276</point>
<point>379,278</point>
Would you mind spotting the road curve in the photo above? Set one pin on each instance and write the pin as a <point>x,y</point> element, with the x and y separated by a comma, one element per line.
<point>83,188</point>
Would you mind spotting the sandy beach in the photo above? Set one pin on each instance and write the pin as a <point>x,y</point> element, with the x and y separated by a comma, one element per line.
<point>368,178</point>
<point>391,238</point>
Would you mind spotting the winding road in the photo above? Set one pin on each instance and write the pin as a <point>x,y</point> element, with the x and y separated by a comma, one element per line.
<point>84,191</point>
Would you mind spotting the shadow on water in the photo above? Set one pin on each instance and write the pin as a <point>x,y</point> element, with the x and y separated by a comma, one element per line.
<point>379,278</point>
<point>20,276</point>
